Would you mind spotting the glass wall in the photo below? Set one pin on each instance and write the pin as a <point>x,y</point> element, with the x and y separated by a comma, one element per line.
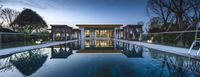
<point>100,33</point>
<point>103,34</point>
<point>87,33</point>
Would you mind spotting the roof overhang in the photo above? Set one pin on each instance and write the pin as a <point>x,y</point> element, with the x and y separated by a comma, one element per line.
<point>99,25</point>
<point>61,26</point>
<point>133,26</point>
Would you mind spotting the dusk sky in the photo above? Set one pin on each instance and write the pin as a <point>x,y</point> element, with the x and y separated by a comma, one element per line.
<point>71,12</point>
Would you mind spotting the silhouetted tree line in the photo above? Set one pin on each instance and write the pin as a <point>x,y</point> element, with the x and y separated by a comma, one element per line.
<point>25,21</point>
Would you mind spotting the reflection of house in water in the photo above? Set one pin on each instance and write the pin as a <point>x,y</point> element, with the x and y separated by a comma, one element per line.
<point>60,51</point>
<point>74,45</point>
<point>119,45</point>
<point>29,62</point>
<point>131,50</point>
<point>100,46</point>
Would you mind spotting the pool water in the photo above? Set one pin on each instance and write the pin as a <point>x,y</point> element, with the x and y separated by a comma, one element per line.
<point>119,60</point>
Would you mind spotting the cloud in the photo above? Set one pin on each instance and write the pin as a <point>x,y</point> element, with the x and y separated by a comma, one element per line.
<point>39,4</point>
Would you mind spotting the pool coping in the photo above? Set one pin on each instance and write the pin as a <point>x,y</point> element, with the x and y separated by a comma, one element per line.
<point>25,48</point>
<point>165,48</point>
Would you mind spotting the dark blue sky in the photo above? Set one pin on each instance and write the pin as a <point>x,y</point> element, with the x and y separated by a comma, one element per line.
<point>73,12</point>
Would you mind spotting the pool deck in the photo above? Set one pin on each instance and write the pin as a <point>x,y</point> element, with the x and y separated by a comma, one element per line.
<point>25,48</point>
<point>169,49</point>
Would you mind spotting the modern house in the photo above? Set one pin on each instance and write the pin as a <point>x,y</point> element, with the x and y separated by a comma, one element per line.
<point>97,35</point>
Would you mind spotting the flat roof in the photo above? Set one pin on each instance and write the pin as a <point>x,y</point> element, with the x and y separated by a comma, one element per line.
<point>99,25</point>
<point>75,30</point>
<point>120,29</point>
<point>65,26</point>
<point>133,26</point>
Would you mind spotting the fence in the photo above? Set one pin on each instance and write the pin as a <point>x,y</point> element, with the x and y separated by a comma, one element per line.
<point>8,40</point>
<point>174,38</point>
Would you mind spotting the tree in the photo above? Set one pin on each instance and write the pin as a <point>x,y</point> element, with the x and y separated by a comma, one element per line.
<point>29,20</point>
<point>155,24</point>
<point>183,10</point>
<point>156,10</point>
<point>140,23</point>
<point>8,16</point>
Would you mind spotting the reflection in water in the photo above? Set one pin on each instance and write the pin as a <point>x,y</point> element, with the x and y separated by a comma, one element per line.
<point>73,45</point>
<point>60,51</point>
<point>26,62</point>
<point>5,64</point>
<point>98,43</point>
<point>29,62</point>
<point>163,64</point>
<point>130,50</point>
<point>128,61</point>
<point>170,65</point>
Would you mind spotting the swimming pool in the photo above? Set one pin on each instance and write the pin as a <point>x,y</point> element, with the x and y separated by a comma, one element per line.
<point>101,60</point>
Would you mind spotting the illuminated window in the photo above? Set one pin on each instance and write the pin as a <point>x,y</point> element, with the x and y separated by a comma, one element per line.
<point>87,33</point>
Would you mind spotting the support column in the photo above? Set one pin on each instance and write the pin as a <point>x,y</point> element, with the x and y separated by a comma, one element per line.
<point>133,37</point>
<point>140,38</point>
<point>79,37</point>
<point>91,37</point>
<point>128,34</point>
<point>124,33</point>
<point>70,35</point>
<point>115,37</point>
<point>0,41</point>
<point>114,32</point>
<point>52,35</point>
<point>65,35</point>
<point>118,34</point>
<point>82,38</point>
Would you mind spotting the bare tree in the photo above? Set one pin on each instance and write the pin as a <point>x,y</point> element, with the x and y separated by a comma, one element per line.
<point>9,15</point>
<point>155,24</point>
<point>183,10</point>
<point>156,10</point>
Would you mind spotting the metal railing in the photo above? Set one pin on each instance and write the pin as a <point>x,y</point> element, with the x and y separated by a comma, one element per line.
<point>170,38</point>
<point>192,46</point>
